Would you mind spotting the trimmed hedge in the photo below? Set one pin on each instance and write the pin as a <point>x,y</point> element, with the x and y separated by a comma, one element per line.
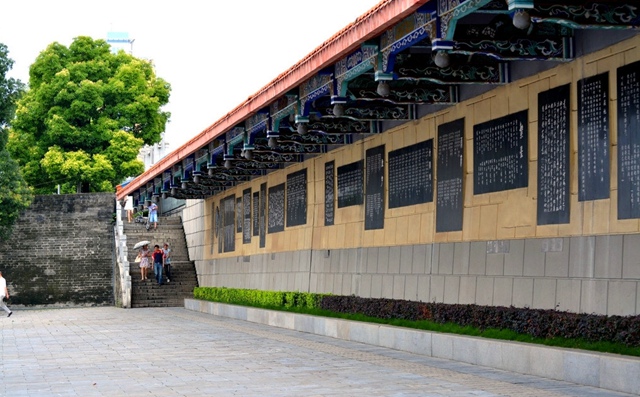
<point>258,298</point>
<point>537,323</point>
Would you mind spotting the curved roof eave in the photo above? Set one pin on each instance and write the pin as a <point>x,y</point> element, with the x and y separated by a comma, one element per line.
<point>371,24</point>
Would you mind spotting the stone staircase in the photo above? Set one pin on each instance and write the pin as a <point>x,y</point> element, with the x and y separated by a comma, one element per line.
<point>183,273</point>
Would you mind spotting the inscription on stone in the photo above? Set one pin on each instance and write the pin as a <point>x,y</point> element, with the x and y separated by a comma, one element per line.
<point>329,193</point>
<point>256,213</point>
<point>593,138</point>
<point>500,154</point>
<point>498,247</point>
<point>411,175</point>
<point>239,215</point>
<point>449,197</point>
<point>246,210</point>
<point>554,114</point>
<point>297,198</point>
<point>374,204</point>
<point>229,223</point>
<point>276,209</point>
<point>263,214</point>
<point>628,80</point>
<point>350,184</point>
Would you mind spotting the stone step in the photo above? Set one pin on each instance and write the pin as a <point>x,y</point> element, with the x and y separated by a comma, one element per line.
<point>183,274</point>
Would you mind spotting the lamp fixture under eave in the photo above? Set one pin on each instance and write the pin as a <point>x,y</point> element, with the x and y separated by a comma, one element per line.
<point>227,164</point>
<point>164,195</point>
<point>273,142</point>
<point>338,110</point>
<point>302,128</point>
<point>173,191</point>
<point>383,88</point>
<point>184,185</point>
<point>441,59</point>
<point>521,19</point>
<point>248,154</point>
<point>196,179</point>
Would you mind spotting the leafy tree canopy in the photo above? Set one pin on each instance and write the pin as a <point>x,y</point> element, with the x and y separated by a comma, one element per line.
<point>15,195</point>
<point>85,117</point>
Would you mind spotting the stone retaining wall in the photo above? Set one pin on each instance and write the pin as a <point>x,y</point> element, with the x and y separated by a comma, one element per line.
<point>61,252</point>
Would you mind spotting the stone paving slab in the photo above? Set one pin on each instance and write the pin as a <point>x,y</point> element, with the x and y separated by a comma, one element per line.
<point>107,351</point>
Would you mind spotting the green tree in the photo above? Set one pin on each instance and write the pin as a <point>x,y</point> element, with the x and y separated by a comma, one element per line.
<point>85,117</point>
<point>15,195</point>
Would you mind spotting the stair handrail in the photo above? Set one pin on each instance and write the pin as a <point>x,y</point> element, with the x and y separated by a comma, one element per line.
<point>122,258</point>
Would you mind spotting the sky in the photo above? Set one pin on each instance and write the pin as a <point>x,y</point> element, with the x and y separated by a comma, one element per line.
<point>214,53</point>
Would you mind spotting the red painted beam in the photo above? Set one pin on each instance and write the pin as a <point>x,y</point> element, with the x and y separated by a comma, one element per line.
<point>373,23</point>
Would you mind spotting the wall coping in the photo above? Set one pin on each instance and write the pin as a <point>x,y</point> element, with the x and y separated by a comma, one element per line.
<point>603,370</point>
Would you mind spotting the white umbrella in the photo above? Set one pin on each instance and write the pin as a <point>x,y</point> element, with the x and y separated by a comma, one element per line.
<point>141,244</point>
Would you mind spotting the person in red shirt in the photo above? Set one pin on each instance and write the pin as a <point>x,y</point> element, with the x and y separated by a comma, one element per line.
<point>157,263</point>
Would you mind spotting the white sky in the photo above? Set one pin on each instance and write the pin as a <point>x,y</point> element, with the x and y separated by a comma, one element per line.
<point>214,53</point>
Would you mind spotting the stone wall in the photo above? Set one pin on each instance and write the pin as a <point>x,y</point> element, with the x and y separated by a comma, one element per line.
<point>61,252</point>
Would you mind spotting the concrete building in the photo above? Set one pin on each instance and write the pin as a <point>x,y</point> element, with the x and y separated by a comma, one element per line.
<point>461,152</point>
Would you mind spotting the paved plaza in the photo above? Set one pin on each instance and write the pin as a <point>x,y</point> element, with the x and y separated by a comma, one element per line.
<point>108,351</point>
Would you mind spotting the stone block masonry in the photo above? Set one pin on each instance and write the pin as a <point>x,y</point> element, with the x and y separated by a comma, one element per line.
<point>61,252</point>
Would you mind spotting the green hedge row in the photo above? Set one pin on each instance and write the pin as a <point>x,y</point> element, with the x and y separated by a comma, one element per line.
<point>258,298</point>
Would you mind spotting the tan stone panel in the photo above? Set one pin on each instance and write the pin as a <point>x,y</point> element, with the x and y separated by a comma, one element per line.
<point>396,140</point>
<point>440,238</point>
<point>609,64</point>
<point>471,223</point>
<point>533,139</point>
<point>532,189</point>
<point>467,165</point>
<point>353,235</point>
<point>425,129</point>
<point>518,98</point>
<point>547,231</point>
<point>630,50</point>
<point>574,227</point>
<point>525,231</point>
<point>317,193</point>
<point>498,197</point>
<point>340,236</point>
<point>410,133</point>
<point>454,237</point>
<point>390,231</point>
<point>367,238</point>
<point>308,237</point>
<point>499,103</point>
<point>488,221</point>
<point>320,237</point>
<point>378,237</point>
<point>481,111</point>
<point>402,229</point>
<point>587,217</point>
<point>506,232</point>
<point>601,211</point>
<point>613,165</point>
<point>427,227</point>
<point>560,75</point>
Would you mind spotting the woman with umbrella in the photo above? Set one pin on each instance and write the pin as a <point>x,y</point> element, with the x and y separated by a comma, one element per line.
<point>144,255</point>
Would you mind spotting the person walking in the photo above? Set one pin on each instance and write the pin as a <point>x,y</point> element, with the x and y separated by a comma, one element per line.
<point>144,262</point>
<point>4,293</point>
<point>166,256</point>
<point>128,207</point>
<point>157,263</point>
<point>153,215</point>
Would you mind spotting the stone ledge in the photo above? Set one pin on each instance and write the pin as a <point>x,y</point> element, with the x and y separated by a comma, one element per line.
<point>606,371</point>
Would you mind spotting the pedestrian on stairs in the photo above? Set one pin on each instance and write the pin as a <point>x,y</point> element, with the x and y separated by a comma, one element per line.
<point>144,261</point>
<point>153,215</point>
<point>157,263</point>
<point>166,256</point>
<point>4,293</point>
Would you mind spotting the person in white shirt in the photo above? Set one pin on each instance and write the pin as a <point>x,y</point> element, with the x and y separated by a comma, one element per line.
<point>4,293</point>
